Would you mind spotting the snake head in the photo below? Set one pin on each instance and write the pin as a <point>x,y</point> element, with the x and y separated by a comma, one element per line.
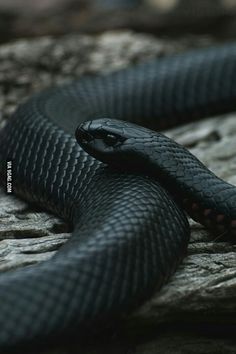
<point>110,140</point>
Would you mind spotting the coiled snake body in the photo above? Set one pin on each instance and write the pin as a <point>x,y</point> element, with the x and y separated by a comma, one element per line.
<point>129,235</point>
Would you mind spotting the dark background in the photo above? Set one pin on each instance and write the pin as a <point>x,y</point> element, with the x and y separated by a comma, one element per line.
<point>30,18</point>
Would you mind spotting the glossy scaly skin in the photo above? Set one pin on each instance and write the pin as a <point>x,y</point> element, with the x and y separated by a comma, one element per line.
<point>207,198</point>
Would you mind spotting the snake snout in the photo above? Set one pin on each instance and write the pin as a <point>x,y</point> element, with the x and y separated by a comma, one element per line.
<point>103,139</point>
<point>82,134</point>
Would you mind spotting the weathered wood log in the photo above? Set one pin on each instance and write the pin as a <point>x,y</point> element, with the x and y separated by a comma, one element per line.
<point>203,290</point>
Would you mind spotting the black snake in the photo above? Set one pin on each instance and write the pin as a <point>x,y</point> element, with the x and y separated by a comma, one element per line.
<point>129,234</point>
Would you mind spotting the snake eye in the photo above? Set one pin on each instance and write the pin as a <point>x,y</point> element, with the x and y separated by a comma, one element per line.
<point>110,139</point>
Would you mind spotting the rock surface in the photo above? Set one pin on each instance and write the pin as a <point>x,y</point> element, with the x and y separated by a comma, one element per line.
<point>199,302</point>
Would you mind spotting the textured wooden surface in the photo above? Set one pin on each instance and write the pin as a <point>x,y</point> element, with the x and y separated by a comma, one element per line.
<point>197,308</point>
